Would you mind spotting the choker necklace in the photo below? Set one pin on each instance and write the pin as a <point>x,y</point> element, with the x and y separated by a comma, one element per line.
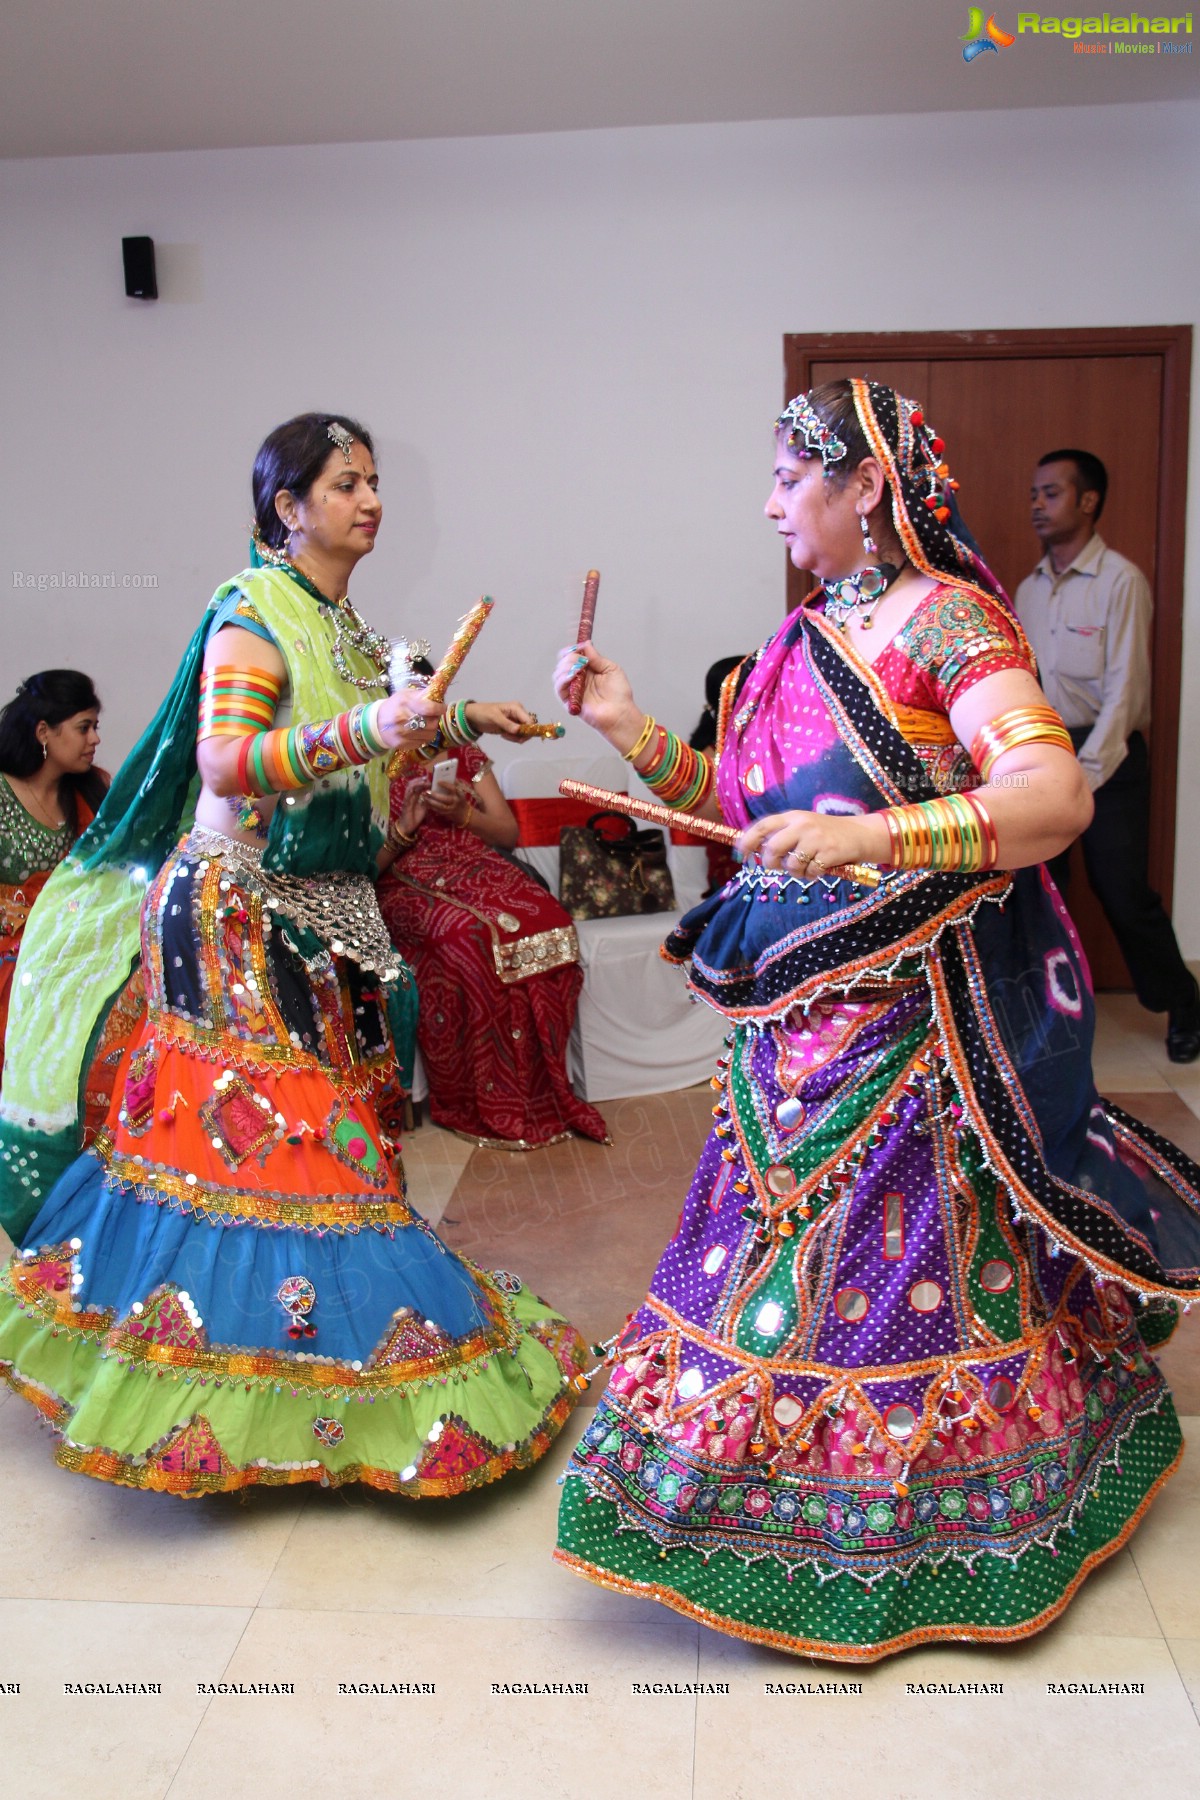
<point>856,596</point>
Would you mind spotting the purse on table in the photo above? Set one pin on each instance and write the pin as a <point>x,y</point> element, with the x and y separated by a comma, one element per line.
<point>609,868</point>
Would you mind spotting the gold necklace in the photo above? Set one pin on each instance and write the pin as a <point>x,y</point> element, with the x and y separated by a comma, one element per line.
<point>52,823</point>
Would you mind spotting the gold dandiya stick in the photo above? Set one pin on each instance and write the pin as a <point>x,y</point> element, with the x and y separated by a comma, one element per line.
<point>540,731</point>
<point>654,814</point>
<point>466,631</point>
<point>587,619</point>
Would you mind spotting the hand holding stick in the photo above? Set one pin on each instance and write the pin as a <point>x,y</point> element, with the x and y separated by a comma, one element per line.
<point>587,619</point>
<point>695,826</point>
<point>467,630</point>
<point>540,731</point>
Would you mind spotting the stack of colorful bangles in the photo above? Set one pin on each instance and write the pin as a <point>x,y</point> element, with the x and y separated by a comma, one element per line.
<point>1023,725</point>
<point>680,776</point>
<point>954,831</point>
<point>453,727</point>
<point>240,703</point>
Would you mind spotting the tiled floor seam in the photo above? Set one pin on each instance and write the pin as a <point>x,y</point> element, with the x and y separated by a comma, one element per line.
<point>251,1615</point>
<point>1193,1701</point>
<point>695,1723</point>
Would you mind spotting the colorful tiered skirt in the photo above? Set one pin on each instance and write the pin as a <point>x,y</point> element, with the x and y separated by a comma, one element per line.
<point>865,1404</point>
<point>229,1287</point>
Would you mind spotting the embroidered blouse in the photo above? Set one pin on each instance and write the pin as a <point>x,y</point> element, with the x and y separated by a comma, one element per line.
<point>953,640</point>
<point>27,847</point>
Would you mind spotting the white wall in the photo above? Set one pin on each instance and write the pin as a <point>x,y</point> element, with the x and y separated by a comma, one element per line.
<point>568,347</point>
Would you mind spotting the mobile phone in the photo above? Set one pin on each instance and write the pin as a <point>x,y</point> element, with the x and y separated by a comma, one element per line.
<point>445,777</point>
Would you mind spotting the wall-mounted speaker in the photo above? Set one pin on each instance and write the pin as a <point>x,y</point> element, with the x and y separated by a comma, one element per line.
<point>140,281</point>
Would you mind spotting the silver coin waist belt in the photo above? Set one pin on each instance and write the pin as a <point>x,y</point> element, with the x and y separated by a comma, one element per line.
<point>341,909</point>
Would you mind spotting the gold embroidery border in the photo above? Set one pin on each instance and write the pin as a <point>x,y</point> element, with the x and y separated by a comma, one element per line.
<point>168,1186</point>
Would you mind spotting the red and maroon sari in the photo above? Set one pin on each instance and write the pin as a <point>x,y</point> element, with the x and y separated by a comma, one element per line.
<point>497,966</point>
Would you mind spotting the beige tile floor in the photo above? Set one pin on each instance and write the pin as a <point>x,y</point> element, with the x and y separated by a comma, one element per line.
<point>323,1589</point>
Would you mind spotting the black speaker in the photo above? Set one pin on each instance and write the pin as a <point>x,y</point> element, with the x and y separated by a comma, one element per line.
<point>140,282</point>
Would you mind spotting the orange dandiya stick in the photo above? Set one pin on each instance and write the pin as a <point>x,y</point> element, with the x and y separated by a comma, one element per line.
<point>695,826</point>
<point>466,631</point>
<point>587,619</point>
<point>540,731</point>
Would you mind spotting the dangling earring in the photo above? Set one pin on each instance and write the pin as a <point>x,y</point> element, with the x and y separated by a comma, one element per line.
<point>858,595</point>
<point>45,750</point>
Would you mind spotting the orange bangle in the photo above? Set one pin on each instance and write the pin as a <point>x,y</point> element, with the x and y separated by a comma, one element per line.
<point>1020,725</point>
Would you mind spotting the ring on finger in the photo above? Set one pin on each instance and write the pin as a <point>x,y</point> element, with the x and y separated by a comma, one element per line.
<point>800,857</point>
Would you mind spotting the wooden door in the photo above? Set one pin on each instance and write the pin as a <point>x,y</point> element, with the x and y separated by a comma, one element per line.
<point>1002,400</point>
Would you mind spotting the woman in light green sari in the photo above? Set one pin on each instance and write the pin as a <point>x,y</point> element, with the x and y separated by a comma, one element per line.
<point>229,1287</point>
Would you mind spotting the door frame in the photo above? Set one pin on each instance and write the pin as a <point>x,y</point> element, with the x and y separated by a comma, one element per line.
<point>1173,345</point>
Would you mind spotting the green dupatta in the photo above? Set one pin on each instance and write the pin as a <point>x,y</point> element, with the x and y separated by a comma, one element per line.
<point>83,937</point>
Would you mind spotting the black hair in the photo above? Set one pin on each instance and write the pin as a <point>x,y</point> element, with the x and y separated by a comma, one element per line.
<point>52,696</point>
<point>292,457</point>
<point>705,735</point>
<point>1091,476</point>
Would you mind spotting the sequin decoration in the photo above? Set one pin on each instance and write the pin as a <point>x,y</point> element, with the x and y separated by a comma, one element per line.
<point>137,1112</point>
<point>900,1421</point>
<point>347,1137</point>
<point>298,1296</point>
<point>1001,1394</point>
<point>996,1276</point>
<point>851,1304</point>
<point>240,1122</point>
<point>925,1296</point>
<point>893,1227</point>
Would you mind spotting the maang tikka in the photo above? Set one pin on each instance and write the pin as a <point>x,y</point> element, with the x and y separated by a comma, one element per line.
<point>341,437</point>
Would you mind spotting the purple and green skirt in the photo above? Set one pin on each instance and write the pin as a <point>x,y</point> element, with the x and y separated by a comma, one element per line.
<point>867,1402</point>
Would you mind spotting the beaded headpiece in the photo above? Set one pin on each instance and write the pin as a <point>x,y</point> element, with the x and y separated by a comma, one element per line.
<point>807,434</point>
<point>341,437</point>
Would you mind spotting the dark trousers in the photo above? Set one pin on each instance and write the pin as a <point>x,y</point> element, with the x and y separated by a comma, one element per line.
<point>1116,853</point>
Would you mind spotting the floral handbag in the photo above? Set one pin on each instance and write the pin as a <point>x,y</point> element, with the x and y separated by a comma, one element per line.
<point>608,868</point>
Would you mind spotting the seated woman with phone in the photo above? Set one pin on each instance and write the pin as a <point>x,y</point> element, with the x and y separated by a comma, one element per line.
<point>495,956</point>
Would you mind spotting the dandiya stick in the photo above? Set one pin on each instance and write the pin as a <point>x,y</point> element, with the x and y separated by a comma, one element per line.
<point>695,826</point>
<point>587,618</point>
<point>465,633</point>
<point>540,731</point>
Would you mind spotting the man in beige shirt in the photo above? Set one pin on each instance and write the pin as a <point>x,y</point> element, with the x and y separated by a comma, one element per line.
<point>1086,611</point>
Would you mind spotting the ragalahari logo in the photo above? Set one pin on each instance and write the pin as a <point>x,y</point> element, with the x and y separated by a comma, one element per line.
<point>979,37</point>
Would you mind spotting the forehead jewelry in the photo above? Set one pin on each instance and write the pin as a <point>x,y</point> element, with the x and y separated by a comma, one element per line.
<point>807,434</point>
<point>338,435</point>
